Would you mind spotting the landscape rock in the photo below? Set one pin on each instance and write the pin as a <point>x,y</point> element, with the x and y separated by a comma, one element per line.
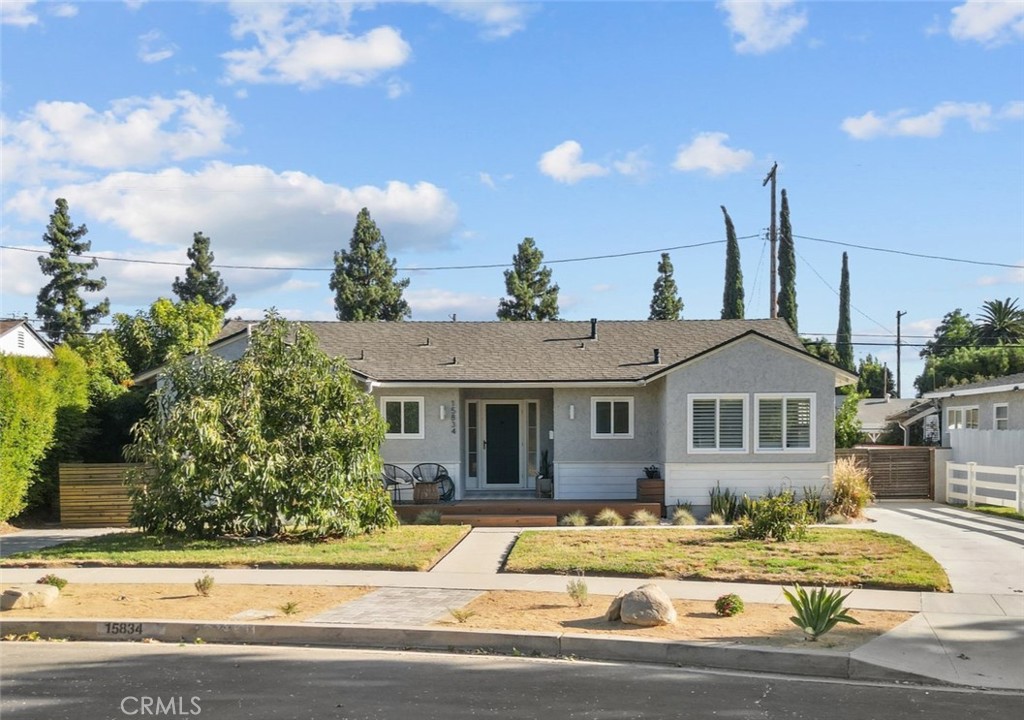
<point>30,596</point>
<point>647,606</point>
<point>614,611</point>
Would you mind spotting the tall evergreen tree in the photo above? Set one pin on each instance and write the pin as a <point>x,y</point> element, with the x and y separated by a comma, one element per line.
<point>844,333</point>
<point>59,305</point>
<point>201,280</point>
<point>732,297</point>
<point>531,296</point>
<point>787,267</point>
<point>666,303</point>
<point>364,281</point>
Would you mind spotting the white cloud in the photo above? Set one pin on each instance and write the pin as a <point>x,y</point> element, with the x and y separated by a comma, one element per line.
<point>900,123</point>
<point>989,23</point>
<point>763,25</point>
<point>441,303</point>
<point>923,327</point>
<point>602,288</point>
<point>18,13</point>
<point>291,49</point>
<point>253,313</point>
<point>564,164</point>
<point>250,211</point>
<point>154,47</point>
<point>709,152</point>
<point>1013,276</point>
<point>633,164</point>
<point>396,88</point>
<point>64,10</point>
<point>498,19</point>
<point>486,179</point>
<point>56,138</point>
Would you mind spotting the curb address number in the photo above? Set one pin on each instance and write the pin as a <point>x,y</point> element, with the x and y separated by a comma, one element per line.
<point>121,628</point>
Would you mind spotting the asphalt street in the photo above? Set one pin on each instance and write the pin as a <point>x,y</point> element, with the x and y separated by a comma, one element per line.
<point>95,681</point>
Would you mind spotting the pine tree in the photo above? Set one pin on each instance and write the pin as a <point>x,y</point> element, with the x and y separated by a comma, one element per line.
<point>201,280</point>
<point>787,267</point>
<point>666,303</point>
<point>59,305</point>
<point>732,297</point>
<point>528,285</point>
<point>844,334</point>
<point>364,281</point>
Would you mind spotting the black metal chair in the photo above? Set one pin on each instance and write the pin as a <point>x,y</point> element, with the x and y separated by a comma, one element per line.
<point>436,474</point>
<point>395,478</point>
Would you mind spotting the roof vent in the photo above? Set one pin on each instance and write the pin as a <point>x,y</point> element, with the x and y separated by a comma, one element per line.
<point>455,361</point>
<point>425,343</point>
<point>593,328</point>
<point>657,356</point>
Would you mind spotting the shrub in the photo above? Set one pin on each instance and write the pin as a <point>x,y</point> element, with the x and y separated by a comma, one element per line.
<point>289,608</point>
<point>204,585</point>
<point>429,517</point>
<point>714,519</point>
<point>728,504</point>
<point>608,517</point>
<point>577,589</point>
<point>461,615</point>
<point>644,517</point>
<point>577,518</point>
<point>682,516</point>
<point>837,520</point>
<point>819,611</point>
<point>51,579</point>
<point>778,518</point>
<point>851,491</point>
<point>729,605</point>
<point>814,503</point>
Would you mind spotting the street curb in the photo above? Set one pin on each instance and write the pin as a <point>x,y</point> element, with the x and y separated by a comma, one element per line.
<point>820,664</point>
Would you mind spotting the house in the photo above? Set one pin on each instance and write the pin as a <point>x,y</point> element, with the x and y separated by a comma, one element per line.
<point>18,337</point>
<point>983,422</point>
<point>737,402</point>
<point>873,414</point>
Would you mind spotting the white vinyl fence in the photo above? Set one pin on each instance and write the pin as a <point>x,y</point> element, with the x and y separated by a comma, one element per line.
<point>986,484</point>
<point>1000,448</point>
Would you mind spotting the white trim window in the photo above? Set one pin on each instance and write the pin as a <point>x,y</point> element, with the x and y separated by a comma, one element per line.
<point>784,423</point>
<point>1001,416</point>
<point>404,417</point>
<point>965,418</point>
<point>717,423</point>
<point>611,417</point>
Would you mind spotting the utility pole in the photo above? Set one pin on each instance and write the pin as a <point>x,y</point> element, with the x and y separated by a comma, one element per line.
<point>899,392</point>
<point>773,298</point>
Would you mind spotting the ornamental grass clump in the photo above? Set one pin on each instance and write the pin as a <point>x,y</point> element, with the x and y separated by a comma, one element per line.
<point>851,489</point>
<point>204,585</point>
<point>578,591</point>
<point>728,605</point>
<point>51,579</point>
<point>608,517</point>
<point>818,611</point>
<point>714,519</point>
<point>682,516</point>
<point>644,517</point>
<point>577,518</point>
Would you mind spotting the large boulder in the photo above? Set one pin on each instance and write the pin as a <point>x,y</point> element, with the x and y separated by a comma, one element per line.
<point>647,606</point>
<point>30,596</point>
<point>614,611</point>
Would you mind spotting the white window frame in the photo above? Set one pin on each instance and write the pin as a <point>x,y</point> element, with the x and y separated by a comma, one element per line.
<point>718,450</point>
<point>595,435</point>
<point>996,419</point>
<point>758,397</point>
<point>960,415</point>
<point>402,399</point>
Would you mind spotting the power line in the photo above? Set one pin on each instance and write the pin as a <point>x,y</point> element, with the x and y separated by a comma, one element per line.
<point>910,254</point>
<point>829,286</point>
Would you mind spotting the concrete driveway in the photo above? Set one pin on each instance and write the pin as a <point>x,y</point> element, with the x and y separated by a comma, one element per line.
<point>982,554</point>
<point>25,540</point>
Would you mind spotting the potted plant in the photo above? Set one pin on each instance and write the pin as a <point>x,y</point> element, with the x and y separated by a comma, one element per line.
<point>545,487</point>
<point>653,472</point>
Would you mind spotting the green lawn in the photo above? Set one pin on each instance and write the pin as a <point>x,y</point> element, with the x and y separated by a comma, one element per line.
<point>1004,512</point>
<point>408,547</point>
<point>826,556</point>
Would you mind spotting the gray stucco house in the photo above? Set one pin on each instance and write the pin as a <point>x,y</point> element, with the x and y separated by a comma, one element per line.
<point>983,422</point>
<point>738,402</point>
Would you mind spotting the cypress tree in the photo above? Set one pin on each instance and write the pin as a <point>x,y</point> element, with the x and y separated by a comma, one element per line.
<point>844,334</point>
<point>732,297</point>
<point>59,305</point>
<point>666,303</point>
<point>787,267</point>
<point>201,280</point>
<point>528,285</point>
<point>364,281</point>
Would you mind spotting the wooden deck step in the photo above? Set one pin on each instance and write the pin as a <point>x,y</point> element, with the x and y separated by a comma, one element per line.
<point>500,520</point>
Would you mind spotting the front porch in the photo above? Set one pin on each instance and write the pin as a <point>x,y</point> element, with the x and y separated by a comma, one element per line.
<point>520,511</point>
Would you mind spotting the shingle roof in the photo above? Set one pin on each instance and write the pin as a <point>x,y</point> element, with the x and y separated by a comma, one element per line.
<point>7,325</point>
<point>1016,379</point>
<point>518,352</point>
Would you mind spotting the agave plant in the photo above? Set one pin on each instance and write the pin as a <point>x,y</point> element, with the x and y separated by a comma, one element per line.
<point>818,612</point>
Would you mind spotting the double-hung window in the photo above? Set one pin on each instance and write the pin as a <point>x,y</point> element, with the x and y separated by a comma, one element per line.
<point>784,423</point>
<point>404,416</point>
<point>962,418</point>
<point>718,423</point>
<point>1000,416</point>
<point>611,417</point>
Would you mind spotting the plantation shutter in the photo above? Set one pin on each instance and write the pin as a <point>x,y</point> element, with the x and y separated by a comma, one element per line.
<point>798,423</point>
<point>730,424</point>
<point>769,429</point>
<point>704,421</point>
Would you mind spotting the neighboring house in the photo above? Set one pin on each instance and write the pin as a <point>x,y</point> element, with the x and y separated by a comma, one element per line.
<point>734,402</point>
<point>874,413</point>
<point>18,337</point>
<point>983,422</point>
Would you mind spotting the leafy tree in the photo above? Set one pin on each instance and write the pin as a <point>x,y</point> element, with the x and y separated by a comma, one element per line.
<point>666,303</point>
<point>364,281</point>
<point>787,267</point>
<point>844,333</point>
<point>732,297</point>
<point>531,296</point>
<point>166,331</point>
<point>969,364</point>
<point>282,441</point>
<point>875,379</point>
<point>59,304</point>
<point>821,349</point>
<point>201,280</point>
<point>848,428</point>
<point>955,330</point>
<point>1001,323</point>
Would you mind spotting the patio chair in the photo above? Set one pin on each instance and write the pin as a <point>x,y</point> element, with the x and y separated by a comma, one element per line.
<point>436,474</point>
<point>395,478</point>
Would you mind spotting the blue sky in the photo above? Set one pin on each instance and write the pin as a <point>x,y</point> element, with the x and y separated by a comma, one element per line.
<point>596,128</point>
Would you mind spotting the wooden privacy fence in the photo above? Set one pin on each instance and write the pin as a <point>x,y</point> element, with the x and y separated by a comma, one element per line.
<point>94,495</point>
<point>901,472</point>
